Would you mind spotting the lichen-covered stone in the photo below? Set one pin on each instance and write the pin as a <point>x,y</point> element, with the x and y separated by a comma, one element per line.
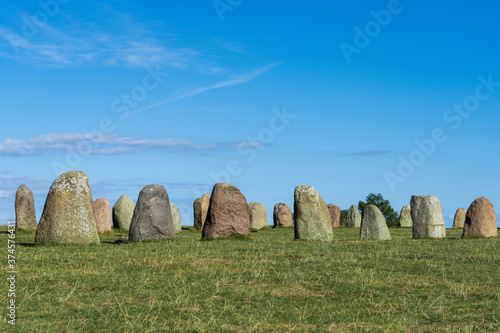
<point>312,218</point>
<point>353,219</point>
<point>25,208</point>
<point>102,213</point>
<point>459,220</point>
<point>176,217</point>
<point>228,213</point>
<point>282,215</point>
<point>405,220</point>
<point>200,208</point>
<point>427,217</point>
<point>68,215</point>
<point>123,210</point>
<point>480,220</point>
<point>373,224</point>
<point>152,218</point>
<point>334,215</point>
<point>258,215</point>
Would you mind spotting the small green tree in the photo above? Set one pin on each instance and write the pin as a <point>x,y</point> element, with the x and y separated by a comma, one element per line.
<point>385,207</point>
<point>343,216</point>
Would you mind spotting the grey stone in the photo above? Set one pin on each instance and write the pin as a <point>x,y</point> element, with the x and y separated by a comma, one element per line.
<point>373,224</point>
<point>258,215</point>
<point>405,220</point>
<point>312,218</point>
<point>123,210</point>
<point>200,208</point>
<point>152,218</point>
<point>427,216</point>
<point>353,219</point>
<point>459,220</point>
<point>25,208</point>
<point>68,215</point>
<point>176,217</point>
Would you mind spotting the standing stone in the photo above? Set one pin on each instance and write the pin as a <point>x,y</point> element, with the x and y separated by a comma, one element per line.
<point>123,210</point>
<point>427,217</point>
<point>353,219</point>
<point>312,218</point>
<point>68,215</point>
<point>227,214</point>
<point>459,220</point>
<point>282,216</point>
<point>258,215</point>
<point>102,213</point>
<point>200,207</point>
<point>373,224</point>
<point>480,220</point>
<point>176,217</point>
<point>152,218</point>
<point>405,220</point>
<point>25,208</point>
<point>334,215</point>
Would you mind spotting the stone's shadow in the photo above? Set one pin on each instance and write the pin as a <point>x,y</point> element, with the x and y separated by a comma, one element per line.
<point>26,244</point>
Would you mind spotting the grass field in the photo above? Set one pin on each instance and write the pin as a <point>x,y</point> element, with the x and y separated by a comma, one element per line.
<point>269,282</point>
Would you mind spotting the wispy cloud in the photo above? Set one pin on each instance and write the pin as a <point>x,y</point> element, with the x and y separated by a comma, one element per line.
<point>191,91</point>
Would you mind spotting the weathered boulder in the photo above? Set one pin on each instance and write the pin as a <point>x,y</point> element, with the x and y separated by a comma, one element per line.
<point>427,217</point>
<point>258,215</point>
<point>312,218</point>
<point>373,224</point>
<point>334,215</point>
<point>68,215</point>
<point>123,210</point>
<point>459,220</point>
<point>405,220</point>
<point>152,218</point>
<point>282,215</point>
<point>480,220</point>
<point>353,219</point>
<point>200,207</point>
<point>25,208</point>
<point>102,213</point>
<point>228,213</point>
<point>176,217</point>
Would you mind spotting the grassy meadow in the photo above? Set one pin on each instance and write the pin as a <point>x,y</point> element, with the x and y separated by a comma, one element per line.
<point>265,283</point>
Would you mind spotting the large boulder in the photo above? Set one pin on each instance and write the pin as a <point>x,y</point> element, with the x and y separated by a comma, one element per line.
<point>200,208</point>
<point>176,217</point>
<point>152,218</point>
<point>405,220</point>
<point>353,219</point>
<point>228,213</point>
<point>459,220</point>
<point>427,217</point>
<point>258,215</point>
<point>68,215</point>
<point>102,213</point>
<point>25,208</point>
<point>312,218</point>
<point>480,220</point>
<point>373,224</point>
<point>282,215</point>
<point>123,210</point>
<point>334,215</point>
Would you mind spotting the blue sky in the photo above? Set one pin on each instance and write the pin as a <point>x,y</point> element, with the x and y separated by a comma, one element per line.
<point>392,97</point>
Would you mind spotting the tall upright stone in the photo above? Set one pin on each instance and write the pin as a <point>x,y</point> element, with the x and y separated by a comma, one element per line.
<point>459,220</point>
<point>25,208</point>
<point>427,217</point>
<point>152,218</point>
<point>200,208</point>
<point>312,218</point>
<point>228,213</point>
<point>282,216</point>
<point>68,215</point>
<point>102,213</point>
<point>258,215</point>
<point>123,210</point>
<point>480,220</point>
<point>334,215</point>
<point>353,219</point>
<point>405,220</point>
<point>373,224</point>
<point>176,217</point>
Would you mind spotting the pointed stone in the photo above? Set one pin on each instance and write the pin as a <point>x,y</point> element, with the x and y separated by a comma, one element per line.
<point>459,220</point>
<point>123,210</point>
<point>25,208</point>
<point>405,220</point>
<point>427,217</point>
<point>373,224</point>
<point>200,208</point>
<point>353,219</point>
<point>480,220</point>
<point>176,217</point>
<point>312,218</point>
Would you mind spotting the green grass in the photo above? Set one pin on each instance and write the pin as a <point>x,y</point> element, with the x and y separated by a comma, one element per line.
<point>265,283</point>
